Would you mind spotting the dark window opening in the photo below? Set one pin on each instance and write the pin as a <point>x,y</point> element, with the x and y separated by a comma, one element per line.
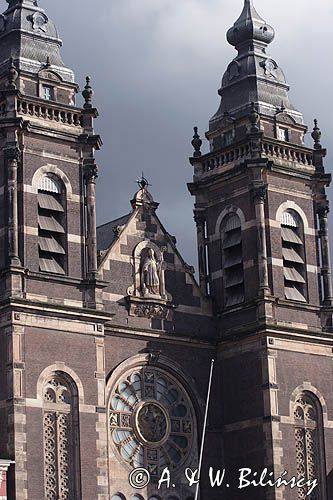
<point>293,253</point>
<point>232,256</point>
<point>51,227</point>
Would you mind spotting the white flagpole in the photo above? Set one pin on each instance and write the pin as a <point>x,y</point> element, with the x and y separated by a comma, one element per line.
<point>204,429</point>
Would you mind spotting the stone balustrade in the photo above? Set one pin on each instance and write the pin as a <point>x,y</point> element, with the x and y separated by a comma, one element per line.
<point>287,152</point>
<point>269,149</point>
<point>49,112</point>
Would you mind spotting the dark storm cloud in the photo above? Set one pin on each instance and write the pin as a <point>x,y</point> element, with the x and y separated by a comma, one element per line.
<point>156,66</point>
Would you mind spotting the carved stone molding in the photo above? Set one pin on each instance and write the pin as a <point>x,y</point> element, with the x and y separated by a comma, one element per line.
<point>259,194</point>
<point>190,269</point>
<point>90,171</point>
<point>151,311</point>
<point>323,210</point>
<point>153,357</point>
<point>39,21</point>
<point>199,217</point>
<point>12,153</point>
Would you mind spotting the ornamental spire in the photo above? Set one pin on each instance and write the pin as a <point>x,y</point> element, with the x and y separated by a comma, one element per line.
<point>253,75</point>
<point>250,28</point>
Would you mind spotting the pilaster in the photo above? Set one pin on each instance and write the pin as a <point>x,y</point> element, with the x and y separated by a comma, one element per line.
<point>17,439</point>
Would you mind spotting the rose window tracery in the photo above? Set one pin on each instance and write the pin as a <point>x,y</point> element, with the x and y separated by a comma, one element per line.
<point>151,420</point>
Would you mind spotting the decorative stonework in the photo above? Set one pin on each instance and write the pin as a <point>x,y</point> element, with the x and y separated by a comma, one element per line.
<point>151,420</point>
<point>60,454</point>
<point>307,437</point>
<point>147,297</point>
<point>39,21</point>
<point>259,193</point>
<point>270,68</point>
<point>151,311</point>
<point>47,74</point>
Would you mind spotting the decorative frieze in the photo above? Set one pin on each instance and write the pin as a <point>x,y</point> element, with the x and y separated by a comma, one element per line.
<point>151,311</point>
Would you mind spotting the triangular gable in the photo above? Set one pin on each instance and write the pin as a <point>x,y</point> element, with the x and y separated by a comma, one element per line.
<point>133,236</point>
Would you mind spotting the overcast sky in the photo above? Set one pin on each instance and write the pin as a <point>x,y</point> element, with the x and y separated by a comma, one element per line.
<point>156,66</point>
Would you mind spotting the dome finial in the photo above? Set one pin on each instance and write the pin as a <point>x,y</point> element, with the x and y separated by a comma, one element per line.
<point>250,28</point>
<point>88,94</point>
<point>316,135</point>
<point>196,143</point>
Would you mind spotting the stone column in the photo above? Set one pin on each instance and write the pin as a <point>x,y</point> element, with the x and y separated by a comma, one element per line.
<point>12,157</point>
<point>90,174</point>
<point>326,269</point>
<point>259,196</point>
<point>200,221</point>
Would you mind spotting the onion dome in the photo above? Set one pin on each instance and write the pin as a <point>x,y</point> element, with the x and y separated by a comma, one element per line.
<point>250,28</point>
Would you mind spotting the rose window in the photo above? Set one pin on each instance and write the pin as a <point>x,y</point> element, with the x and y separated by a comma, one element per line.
<point>151,420</point>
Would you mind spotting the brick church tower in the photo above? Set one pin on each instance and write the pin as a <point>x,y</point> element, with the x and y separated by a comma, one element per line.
<point>106,337</point>
<point>92,338</point>
<point>261,213</point>
<point>50,310</point>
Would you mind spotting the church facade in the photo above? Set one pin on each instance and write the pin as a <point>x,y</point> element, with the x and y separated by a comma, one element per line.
<point>106,336</point>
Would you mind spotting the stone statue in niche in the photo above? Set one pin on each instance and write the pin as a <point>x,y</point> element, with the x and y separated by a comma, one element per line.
<point>147,296</point>
<point>150,271</point>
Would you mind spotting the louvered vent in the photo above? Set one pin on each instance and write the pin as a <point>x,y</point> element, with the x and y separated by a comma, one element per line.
<point>233,262</point>
<point>51,226</point>
<point>294,268</point>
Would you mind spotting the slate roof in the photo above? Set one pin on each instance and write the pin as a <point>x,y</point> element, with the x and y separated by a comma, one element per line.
<point>106,234</point>
<point>29,36</point>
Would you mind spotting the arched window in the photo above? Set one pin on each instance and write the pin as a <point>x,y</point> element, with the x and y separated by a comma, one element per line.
<point>310,455</point>
<point>119,496</point>
<point>232,261</point>
<point>51,225</point>
<point>293,252</point>
<point>137,497</point>
<point>61,439</point>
